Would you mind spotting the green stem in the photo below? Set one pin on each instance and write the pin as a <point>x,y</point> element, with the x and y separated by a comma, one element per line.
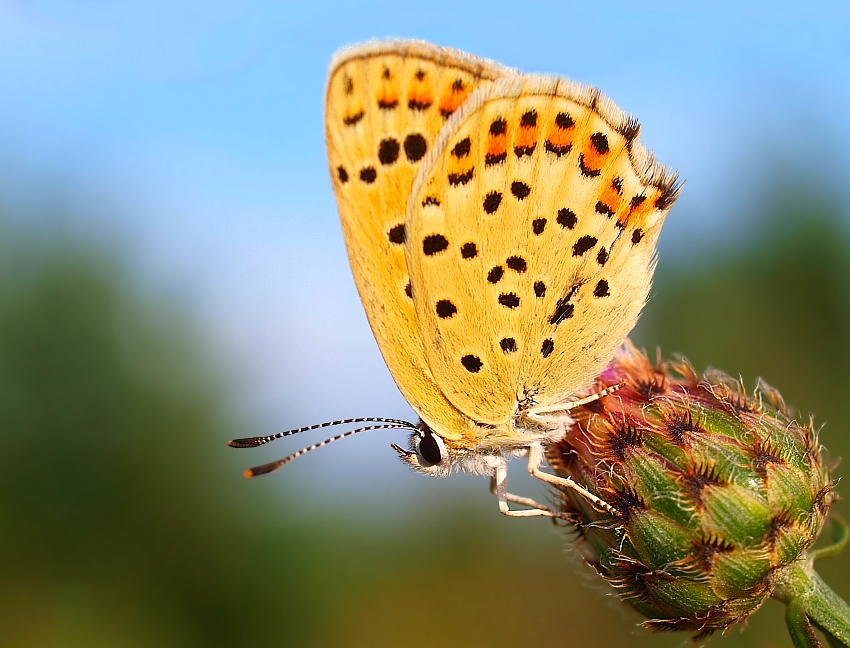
<point>840,535</point>
<point>802,633</point>
<point>807,595</point>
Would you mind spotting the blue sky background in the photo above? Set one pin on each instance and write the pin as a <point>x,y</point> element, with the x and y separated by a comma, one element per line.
<point>187,137</point>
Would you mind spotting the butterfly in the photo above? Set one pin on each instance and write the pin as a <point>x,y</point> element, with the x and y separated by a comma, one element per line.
<point>501,228</point>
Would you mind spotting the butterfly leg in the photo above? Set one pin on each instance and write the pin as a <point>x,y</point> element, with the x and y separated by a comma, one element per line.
<point>535,458</point>
<point>566,407</point>
<point>498,486</point>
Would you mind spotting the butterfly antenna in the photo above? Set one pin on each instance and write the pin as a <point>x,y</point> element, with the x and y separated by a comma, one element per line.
<point>254,442</point>
<point>274,465</point>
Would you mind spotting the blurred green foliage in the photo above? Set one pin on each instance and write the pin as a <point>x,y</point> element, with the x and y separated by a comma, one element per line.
<point>121,523</point>
<point>776,306</point>
<point>117,529</point>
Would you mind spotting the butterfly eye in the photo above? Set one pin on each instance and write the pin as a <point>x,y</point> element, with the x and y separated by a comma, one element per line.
<point>430,448</point>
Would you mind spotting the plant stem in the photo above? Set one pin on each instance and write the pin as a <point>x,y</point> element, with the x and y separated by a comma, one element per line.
<point>810,597</point>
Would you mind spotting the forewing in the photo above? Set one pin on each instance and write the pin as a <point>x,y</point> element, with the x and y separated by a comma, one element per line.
<point>385,103</point>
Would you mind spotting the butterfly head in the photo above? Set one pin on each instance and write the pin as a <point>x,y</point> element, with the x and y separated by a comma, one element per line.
<point>432,454</point>
<point>428,452</point>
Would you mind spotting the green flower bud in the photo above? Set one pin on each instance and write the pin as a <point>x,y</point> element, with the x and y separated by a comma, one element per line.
<point>718,492</point>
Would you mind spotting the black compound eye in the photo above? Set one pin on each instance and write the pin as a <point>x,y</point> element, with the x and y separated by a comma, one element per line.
<point>429,448</point>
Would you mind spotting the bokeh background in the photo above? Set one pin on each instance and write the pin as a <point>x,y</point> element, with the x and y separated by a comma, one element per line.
<point>172,275</point>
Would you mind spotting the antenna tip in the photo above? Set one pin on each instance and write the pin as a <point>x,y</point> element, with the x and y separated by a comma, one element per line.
<point>249,442</point>
<point>250,473</point>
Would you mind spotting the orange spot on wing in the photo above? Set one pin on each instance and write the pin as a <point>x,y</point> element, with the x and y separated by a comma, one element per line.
<point>453,99</point>
<point>388,98</point>
<point>561,137</point>
<point>593,159</point>
<point>497,145</point>
<point>419,96</point>
<point>611,199</point>
<point>527,137</point>
<point>639,208</point>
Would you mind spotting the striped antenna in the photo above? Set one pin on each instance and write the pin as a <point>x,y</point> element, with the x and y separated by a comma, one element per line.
<point>254,442</point>
<point>274,465</point>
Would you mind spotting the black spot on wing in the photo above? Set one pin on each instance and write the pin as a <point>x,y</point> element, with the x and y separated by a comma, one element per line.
<point>509,300</point>
<point>539,289</point>
<point>445,309</point>
<point>567,218</point>
<point>520,190</point>
<point>522,151</point>
<point>434,243</point>
<point>602,208</point>
<point>351,120</point>
<point>471,363</point>
<point>368,174</point>
<point>517,264</point>
<point>559,150</point>
<point>415,147</point>
<point>398,234</point>
<point>462,148</point>
<point>600,143</point>
<point>584,244</point>
<point>602,256</point>
<point>495,158</point>
<point>564,121</point>
<point>601,289</point>
<point>492,201</point>
<point>388,151</point>
<point>461,178</point>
